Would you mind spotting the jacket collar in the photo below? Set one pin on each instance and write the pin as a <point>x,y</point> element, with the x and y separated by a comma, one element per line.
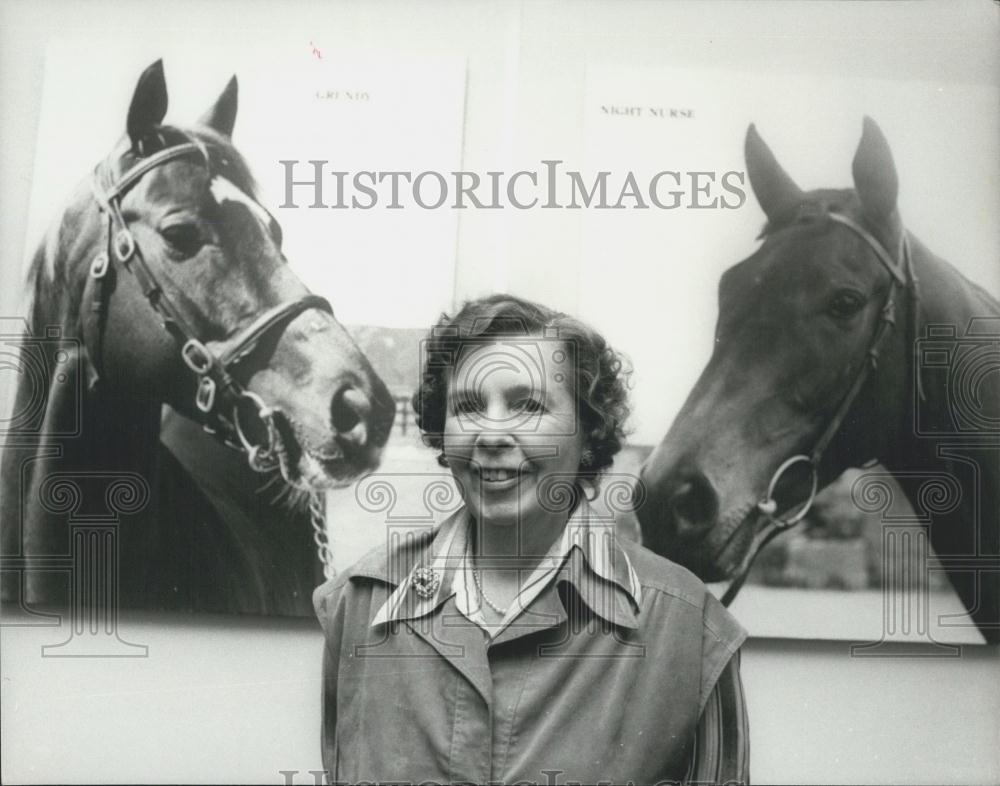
<point>429,583</point>
<point>591,560</point>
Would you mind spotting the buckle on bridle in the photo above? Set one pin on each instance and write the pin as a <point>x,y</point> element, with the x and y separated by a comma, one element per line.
<point>124,245</point>
<point>196,356</point>
<point>205,397</point>
<point>99,267</point>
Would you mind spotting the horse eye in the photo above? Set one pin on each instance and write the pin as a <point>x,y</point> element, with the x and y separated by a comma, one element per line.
<point>845,303</point>
<point>183,238</point>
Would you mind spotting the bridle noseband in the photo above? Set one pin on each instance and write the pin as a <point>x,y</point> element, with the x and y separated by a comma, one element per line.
<point>901,277</point>
<point>218,393</point>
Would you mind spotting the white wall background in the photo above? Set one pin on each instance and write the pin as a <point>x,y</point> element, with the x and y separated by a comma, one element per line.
<point>230,699</point>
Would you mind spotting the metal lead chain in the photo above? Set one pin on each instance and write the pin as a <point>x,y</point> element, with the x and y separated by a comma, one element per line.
<point>317,515</point>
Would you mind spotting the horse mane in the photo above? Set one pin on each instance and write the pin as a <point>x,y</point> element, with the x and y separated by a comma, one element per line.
<point>51,289</point>
<point>978,301</point>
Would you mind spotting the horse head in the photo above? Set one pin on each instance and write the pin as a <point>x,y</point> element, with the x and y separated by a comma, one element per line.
<point>788,399</point>
<point>184,296</point>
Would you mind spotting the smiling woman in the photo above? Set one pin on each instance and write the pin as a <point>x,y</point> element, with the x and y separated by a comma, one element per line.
<point>535,642</point>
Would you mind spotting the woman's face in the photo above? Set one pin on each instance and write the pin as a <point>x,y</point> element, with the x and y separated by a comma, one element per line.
<point>512,433</point>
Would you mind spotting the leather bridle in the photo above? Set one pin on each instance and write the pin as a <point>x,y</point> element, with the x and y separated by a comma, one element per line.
<point>901,277</point>
<point>219,394</point>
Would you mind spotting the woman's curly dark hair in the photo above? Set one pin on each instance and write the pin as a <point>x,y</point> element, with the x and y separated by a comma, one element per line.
<point>601,372</point>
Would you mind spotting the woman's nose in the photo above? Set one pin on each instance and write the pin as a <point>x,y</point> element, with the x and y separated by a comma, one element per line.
<point>494,439</point>
<point>494,430</point>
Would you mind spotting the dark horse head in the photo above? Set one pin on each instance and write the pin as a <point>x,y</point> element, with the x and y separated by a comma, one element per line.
<point>812,372</point>
<point>263,363</point>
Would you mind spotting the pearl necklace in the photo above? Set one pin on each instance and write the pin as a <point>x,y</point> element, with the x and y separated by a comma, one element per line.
<point>482,594</point>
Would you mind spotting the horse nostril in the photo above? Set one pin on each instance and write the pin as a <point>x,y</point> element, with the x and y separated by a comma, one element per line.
<point>693,507</point>
<point>348,411</point>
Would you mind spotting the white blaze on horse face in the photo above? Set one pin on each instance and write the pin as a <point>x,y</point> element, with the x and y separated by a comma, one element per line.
<point>224,190</point>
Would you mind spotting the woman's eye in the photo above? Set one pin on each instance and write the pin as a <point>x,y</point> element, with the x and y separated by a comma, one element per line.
<point>183,238</point>
<point>845,303</point>
<point>466,406</point>
<point>529,406</point>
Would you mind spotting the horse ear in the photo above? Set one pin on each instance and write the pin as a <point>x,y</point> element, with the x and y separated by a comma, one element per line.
<point>222,115</point>
<point>775,190</point>
<point>149,103</point>
<point>875,177</point>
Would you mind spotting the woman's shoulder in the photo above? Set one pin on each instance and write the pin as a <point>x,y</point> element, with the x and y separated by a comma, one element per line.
<point>661,574</point>
<point>388,563</point>
<point>667,580</point>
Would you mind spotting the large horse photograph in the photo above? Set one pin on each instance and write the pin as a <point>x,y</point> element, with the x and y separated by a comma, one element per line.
<point>233,258</point>
<point>817,368</point>
<point>164,283</point>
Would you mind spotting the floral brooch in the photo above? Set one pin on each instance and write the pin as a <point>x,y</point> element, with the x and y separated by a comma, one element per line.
<point>425,582</point>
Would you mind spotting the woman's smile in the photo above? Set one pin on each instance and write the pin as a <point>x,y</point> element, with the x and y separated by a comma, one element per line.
<point>495,480</point>
<point>500,477</point>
